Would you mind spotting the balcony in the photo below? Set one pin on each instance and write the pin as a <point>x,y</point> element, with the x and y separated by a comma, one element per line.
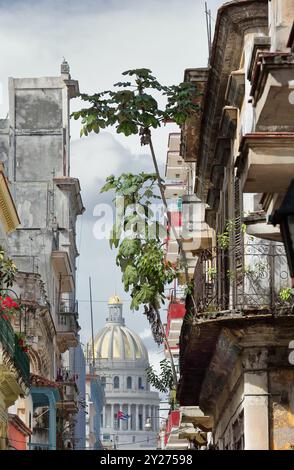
<point>258,227</point>
<point>16,360</point>
<point>67,329</point>
<point>66,380</point>
<point>172,439</point>
<point>70,393</point>
<point>266,162</point>
<point>175,189</point>
<point>196,235</point>
<point>62,267</point>
<point>272,91</point>
<point>190,135</point>
<point>176,168</point>
<point>248,279</point>
<point>175,315</point>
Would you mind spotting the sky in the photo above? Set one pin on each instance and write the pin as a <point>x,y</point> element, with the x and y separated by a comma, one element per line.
<point>100,39</point>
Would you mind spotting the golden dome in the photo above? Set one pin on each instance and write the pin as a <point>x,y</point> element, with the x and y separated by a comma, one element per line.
<point>117,342</point>
<point>114,300</point>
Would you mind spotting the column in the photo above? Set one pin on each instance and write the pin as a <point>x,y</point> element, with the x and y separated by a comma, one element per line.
<point>137,417</point>
<point>256,400</point>
<point>144,417</point>
<point>129,420</point>
<point>52,423</point>
<point>104,416</point>
<point>111,416</point>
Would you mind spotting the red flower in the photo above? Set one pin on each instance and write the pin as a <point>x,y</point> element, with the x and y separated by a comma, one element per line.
<point>5,316</point>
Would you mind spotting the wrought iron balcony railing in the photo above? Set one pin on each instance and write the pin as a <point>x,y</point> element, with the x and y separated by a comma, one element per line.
<point>240,278</point>
<point>10,344</point>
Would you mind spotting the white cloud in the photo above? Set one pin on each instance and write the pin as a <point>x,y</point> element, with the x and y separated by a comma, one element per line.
<point>146,334</point>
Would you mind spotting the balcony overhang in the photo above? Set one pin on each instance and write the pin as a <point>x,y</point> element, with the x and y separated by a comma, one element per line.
<point>199,240</point>
<point>72,185</point>
<point>257,226</point>
<point>190,135</point>
<point>194,415</point>
<point>174,190</point>
<point>260,45</point>
<point>273,92</point>
<point>61,265</point>
<point>236,89</point>
<point>187,431</point>
<point>199,344</point>
<point>66,340</point>
<point>265,162</point>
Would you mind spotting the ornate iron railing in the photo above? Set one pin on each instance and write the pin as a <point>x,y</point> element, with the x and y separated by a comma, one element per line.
<point>250,277</point>
<point>10,344</point>
<point>22,362</point>
<point>7,336</point>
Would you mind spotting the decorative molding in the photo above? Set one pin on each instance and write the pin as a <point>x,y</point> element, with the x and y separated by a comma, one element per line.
<point>8,212</point>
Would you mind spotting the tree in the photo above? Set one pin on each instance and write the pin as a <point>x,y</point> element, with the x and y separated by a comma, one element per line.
<point>132,108</point>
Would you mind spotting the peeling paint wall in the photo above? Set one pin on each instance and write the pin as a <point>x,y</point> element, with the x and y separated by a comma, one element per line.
<point>282,409</point>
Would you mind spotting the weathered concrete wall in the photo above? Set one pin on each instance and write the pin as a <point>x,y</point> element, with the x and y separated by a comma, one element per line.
<point>38,157</point>
<point>4,140</point>
<point>38,109</point>
<point>39,152</point>
<point>282,409</point>
<point>281,14</point>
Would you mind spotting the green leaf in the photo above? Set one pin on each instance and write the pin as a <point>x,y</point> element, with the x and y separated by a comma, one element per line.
<point>127,128</point>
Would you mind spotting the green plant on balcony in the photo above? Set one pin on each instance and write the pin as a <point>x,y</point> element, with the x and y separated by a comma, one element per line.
<point>22,341</point>
<point>211,272</point>
<point>231,274</point>
<point>8,306</point>
<point>189,289</point>
<point>285,294</point>
<point>7,270</point>
<point>230,227</point>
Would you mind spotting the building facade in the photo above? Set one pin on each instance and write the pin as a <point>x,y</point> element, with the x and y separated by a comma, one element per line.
<point>121,361</point>
<point>35,144</point>
<point>235,376</point>
<point>14,362</point>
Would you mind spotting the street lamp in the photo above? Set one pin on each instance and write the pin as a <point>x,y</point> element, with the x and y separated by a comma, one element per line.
<point>285,217</point>
<point>148,424</point>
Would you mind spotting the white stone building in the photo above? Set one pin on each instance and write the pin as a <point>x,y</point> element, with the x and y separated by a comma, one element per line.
<point>121,361</point>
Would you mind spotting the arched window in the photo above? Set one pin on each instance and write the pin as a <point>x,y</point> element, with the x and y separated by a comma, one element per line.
<point>140,384</point>
<point>116,382</point>
<point>129,382</point>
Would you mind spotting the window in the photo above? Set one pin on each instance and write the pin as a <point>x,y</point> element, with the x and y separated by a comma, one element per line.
<point>129,382</point>
<point>140,384</point>
<point>103,381</point>
<point>140,417</point>
<point>106,437</point>
<point>116,382</point>
<point>101,420</point>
